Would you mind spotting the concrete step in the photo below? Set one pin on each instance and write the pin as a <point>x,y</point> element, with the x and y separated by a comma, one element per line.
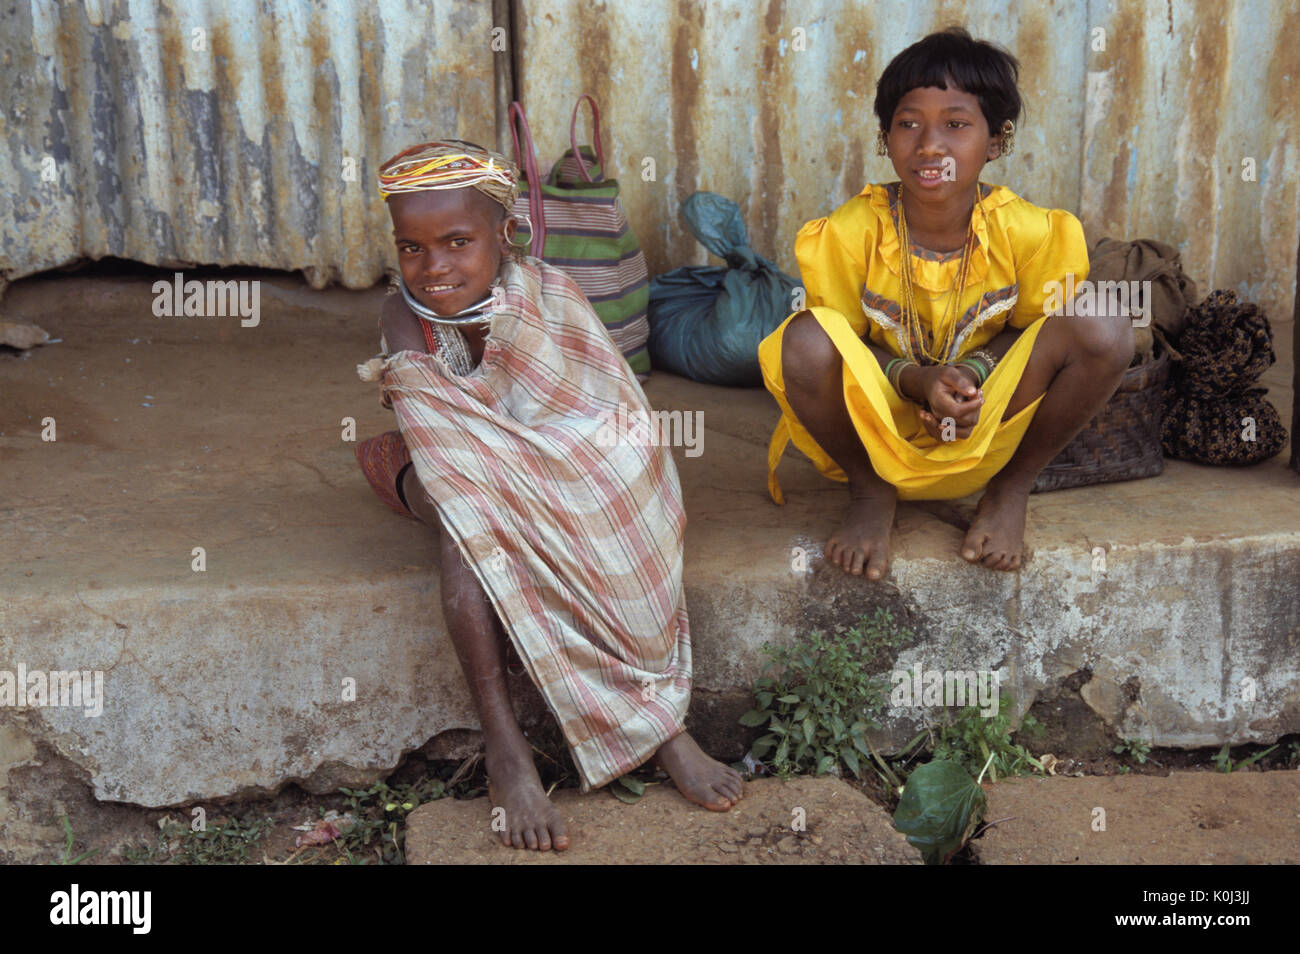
<point>177,433</point>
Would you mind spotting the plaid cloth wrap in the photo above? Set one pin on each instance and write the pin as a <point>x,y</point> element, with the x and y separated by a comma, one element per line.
<point>578,545</point>
<point>588,235</point>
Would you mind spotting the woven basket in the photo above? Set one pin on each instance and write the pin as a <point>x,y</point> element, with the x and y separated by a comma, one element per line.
<point>1120,443</point>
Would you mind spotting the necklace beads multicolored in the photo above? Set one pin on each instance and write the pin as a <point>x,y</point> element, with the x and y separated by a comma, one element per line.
<point>915,337</point>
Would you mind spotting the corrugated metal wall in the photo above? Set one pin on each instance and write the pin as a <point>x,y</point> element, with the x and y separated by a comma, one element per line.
<point>1142,139</point>
<point>229,146</point>
<point>233,132</point>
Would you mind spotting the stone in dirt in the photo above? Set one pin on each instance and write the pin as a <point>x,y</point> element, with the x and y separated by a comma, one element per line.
<point>1187,818</point>
<point>839,825</point>
<point>18,335</point>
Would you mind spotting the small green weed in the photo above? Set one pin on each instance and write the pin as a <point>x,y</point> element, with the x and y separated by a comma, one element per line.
<point>819,697</point>
<point>67,858</point>
<point>227,843</point>
<point>1223,759</point>
<point>381,810</point>
<point>1135,749</point>
<point>974,740</point>
<point>1031,727</point>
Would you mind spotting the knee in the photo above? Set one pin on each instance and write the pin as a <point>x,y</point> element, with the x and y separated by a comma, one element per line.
<point>806,350</point>
<point>418,502</point>
<point>1105,341</point>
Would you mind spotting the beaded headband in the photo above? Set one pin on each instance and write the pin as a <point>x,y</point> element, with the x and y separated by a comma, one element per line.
<point>450,164</point>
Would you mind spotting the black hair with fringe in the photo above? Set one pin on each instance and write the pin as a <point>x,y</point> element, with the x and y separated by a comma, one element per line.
<point>987,72</point>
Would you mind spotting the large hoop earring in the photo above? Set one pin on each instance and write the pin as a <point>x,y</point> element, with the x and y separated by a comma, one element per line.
<point>1007,139</point>
<point>527,219</point>
<point>518,249</point>
<point>882,144</point>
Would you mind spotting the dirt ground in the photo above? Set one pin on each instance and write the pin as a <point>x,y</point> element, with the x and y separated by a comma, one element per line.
<point>805,821</point>
<point>1184,817</point>
<point>1187,818</point>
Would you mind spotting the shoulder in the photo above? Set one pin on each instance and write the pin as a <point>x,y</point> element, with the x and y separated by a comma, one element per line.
<point>1029,228</point>
<point>543,279</point>
<point>849,225</point>
<point>400,327</point>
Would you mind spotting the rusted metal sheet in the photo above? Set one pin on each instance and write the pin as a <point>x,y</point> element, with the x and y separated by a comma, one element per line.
<point>771,104</point>
<point>231,132</point>
<point>230,145</point>
<point>1191,138</point>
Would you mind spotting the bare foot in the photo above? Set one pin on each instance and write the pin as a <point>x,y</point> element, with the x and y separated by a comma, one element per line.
<point>530,819</point>
<point>702,780</point>
<point>862,541</point>
<point>997,534</point>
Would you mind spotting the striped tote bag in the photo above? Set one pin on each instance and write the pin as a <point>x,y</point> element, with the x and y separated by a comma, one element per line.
<point>579,225</point>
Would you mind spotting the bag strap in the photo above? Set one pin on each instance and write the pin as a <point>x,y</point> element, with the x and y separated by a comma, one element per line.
<point>595,135</point>
<point>526,159</point>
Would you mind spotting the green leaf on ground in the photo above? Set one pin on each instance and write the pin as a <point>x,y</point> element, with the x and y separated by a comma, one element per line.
<point>627,789</point>
<point>940,805</point>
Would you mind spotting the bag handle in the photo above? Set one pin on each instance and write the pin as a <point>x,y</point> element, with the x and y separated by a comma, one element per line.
<point>595,135</point>
<point>526,159</point>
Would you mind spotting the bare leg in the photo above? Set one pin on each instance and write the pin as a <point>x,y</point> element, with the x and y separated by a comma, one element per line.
<point>814,387</point>
<point>700,779</point>
<point>1077,363</point>
<point>531,820</point>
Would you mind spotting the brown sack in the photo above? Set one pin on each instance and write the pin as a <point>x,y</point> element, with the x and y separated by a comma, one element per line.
<point>1172,292</point>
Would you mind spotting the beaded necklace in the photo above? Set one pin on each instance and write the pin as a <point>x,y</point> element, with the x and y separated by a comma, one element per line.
<point>450,345</point>
<point>442,333</point>
<point>914,335</point>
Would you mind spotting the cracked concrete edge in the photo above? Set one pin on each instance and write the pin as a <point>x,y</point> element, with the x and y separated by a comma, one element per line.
<point>1154,618</point>
<point>195,726</point>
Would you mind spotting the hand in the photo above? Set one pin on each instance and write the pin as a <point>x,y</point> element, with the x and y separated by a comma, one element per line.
<point>950,393</point>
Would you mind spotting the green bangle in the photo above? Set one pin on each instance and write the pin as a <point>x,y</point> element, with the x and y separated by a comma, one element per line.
<point>894,372</point>
<point>976,365</point>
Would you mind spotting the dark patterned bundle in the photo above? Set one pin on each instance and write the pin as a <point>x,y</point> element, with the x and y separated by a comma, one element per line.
<point>1213,413</point>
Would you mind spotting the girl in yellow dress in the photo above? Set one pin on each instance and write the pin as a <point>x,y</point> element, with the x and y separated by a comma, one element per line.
<point>927,366</point>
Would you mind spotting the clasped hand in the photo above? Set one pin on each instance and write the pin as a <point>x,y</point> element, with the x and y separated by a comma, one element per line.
<point>950,393</point>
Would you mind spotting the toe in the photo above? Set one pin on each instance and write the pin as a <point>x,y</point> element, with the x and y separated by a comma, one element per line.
<point>559,837</point>
<point>876,567</point>
<point>530,839</point>
<point>855,563</point>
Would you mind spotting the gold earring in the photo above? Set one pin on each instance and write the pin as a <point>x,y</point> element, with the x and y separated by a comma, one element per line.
<point>1007,139</point>
<point>882,146</point>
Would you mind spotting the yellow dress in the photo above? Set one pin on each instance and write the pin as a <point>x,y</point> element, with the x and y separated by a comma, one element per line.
<point>850,265</point>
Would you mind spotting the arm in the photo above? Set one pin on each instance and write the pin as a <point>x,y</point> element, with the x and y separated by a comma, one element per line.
<point>400,327</point>
<point>998,345</point>
<point>401,332</point>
